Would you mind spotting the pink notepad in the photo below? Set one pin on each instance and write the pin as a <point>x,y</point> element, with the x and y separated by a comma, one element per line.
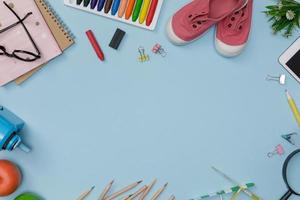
<point>16,38</point>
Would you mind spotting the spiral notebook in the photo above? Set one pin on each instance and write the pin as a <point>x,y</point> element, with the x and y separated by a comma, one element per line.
<point>45,28</point>
<point>59,30</point>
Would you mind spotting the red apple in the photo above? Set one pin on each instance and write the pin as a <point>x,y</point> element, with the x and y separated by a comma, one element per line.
<point>10,178</point>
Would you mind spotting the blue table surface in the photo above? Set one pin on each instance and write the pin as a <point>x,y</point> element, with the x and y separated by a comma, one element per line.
<point>172,118</point>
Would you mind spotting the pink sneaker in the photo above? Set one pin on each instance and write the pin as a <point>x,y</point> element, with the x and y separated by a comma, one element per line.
<point>191,21</point>
<point>232,33</point>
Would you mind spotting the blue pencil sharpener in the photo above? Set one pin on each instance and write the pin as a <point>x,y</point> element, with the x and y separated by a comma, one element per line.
<point>10,126</point>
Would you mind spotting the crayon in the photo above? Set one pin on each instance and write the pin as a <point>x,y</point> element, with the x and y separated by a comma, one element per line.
<point>137,10</point>
<point>144,11</point>
<point>115,7</point>
<point>95,44</point>
<point>122,8</point>
<point>129,9</point>
<point>86,3</point>
<point>94,3</point>
<point>151,12</point>
<point>100,5</point>
<point>107,6</point>
<point>78,2</point>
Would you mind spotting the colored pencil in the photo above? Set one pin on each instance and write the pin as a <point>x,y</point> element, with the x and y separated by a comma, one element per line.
<point>86,3</point>
<point>94,3</point>
<point>172,197</point>
<point>78,2</point>
<point>85,194</point>
<point>151,12</point>
<point>145,193</point>
<point>125,189</point>
<point>100,5</point>
<point>106,190</point>
<point>137,10</point>
<point>158,193</point>
<point>144,11</point>
<point>129,9</point>
<point>137,193</point>
<point>115,7</point>
<point>107,6</point>
<point>293,107</point>
<point>122,8</point>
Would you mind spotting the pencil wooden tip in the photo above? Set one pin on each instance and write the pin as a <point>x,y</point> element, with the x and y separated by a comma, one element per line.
<point>112,181</point>
<point>166,185</point>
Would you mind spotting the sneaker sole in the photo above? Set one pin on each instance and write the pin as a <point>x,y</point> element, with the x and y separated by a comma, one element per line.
<point>228,50</point>
<point>175,39</point>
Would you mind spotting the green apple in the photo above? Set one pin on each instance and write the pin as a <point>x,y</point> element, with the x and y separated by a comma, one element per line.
<point>27,196</point>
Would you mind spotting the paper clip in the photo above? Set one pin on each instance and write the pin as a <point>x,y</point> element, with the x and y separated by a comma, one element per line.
<point>289,137</point>
<point>143,57</point>
<point>280,79</point>
<point>157,49</point>
<point>278,151</point>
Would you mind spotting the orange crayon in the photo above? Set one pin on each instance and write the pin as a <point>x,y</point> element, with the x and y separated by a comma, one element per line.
<point>129,9</point>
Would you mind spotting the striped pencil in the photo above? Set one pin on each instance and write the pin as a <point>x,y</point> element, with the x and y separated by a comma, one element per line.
<point>222,192</point>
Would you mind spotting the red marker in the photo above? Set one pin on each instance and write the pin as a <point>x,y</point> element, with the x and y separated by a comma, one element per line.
<point>95,44</point>
<point>151,12</point>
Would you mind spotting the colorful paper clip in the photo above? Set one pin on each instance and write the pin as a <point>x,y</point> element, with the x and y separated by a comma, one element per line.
<point>289,137</point>
<point>157,49</point>
<point>279,150</point>
<point>143,57</point>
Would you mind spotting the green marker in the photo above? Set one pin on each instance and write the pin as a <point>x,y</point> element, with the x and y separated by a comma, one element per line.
<point>222,192</point>
<point>137,10</point>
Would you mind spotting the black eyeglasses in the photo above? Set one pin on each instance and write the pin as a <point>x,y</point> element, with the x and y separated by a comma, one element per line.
<point>23,55</point>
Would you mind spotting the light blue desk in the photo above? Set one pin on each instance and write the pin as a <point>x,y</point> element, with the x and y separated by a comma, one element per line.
<point>89,122</point>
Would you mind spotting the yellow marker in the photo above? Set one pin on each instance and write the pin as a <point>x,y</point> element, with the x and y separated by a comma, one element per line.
<point>144,11</point>
<point>293,107</point>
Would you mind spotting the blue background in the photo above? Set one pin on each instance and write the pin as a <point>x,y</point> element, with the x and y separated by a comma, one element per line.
<point>172,118</point>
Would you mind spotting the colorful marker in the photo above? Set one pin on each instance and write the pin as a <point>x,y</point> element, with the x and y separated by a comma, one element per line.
<point>86,3</point>
<point>78,2</point>
<point>107,6</point>
<point>144,11</point>
<point>94,3</point>
<point>122,8</point>
<point>151,12</point>
<point>137,10</point>
<point>115,7</point>
<point>95,44</point>
<point>129,9</point>
<point>100,5</point>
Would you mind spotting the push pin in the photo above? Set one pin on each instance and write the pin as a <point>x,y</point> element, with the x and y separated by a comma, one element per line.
<point>143,57</point>
<point>278,151</point>
<point>157,49</point>
<point>280,79</point>
<point>289,138</point>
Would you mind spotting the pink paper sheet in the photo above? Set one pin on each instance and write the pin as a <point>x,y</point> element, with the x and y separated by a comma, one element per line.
<point>16,38</point>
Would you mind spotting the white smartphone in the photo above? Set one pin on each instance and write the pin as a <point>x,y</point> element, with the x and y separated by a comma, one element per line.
<point>290,59</point>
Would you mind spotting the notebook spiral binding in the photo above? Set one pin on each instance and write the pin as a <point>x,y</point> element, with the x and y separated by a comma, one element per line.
<point>63,27</point>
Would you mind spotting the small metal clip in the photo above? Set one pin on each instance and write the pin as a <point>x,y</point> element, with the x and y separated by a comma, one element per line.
<point>157,49</point>
<point>278,151</point>
<point>280,79</point>
<point>143,57</point>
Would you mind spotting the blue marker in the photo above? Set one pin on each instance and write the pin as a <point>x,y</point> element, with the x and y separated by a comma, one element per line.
<point>94,3</point>
<point>115,7</point>
<point>100,5</point>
